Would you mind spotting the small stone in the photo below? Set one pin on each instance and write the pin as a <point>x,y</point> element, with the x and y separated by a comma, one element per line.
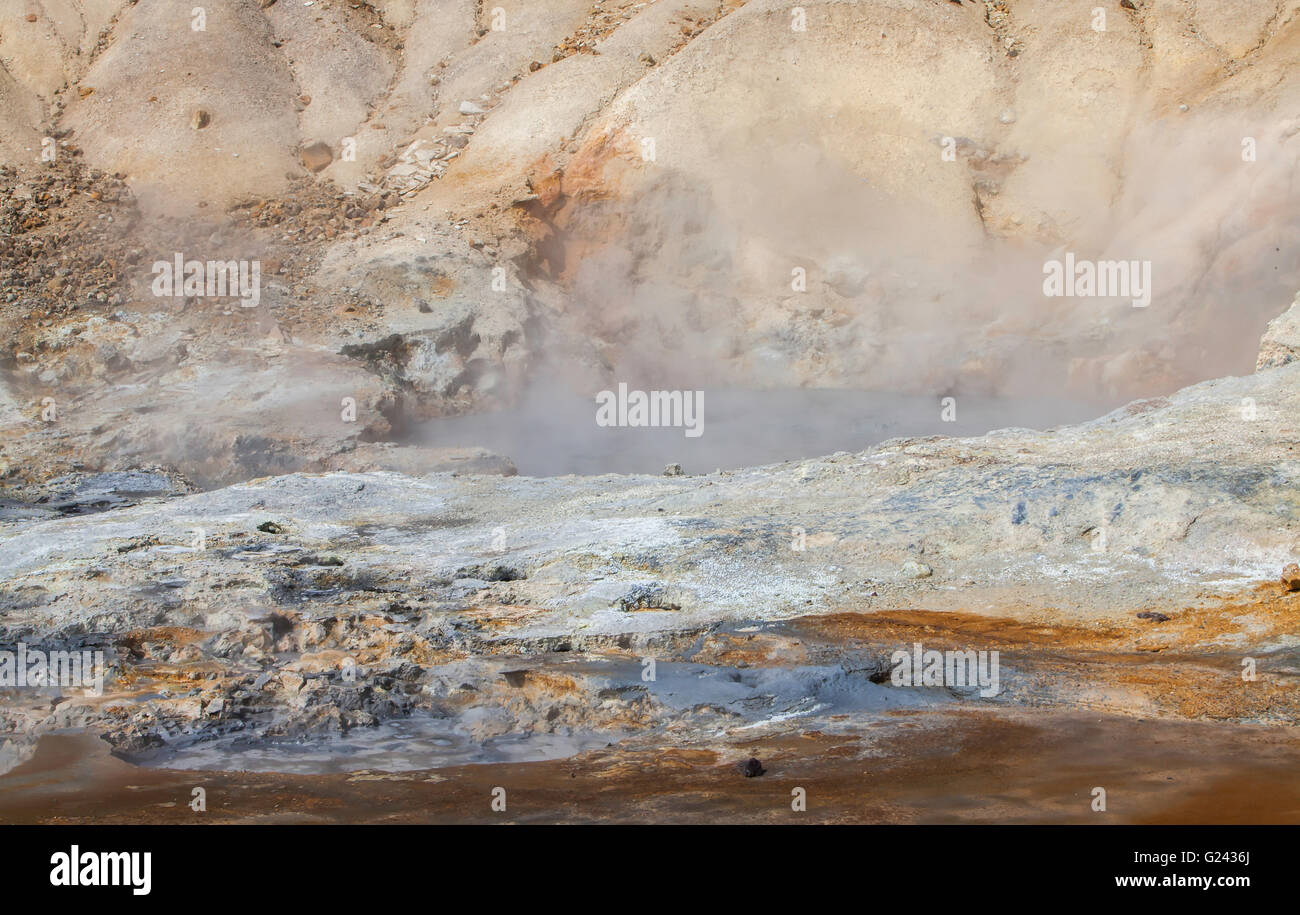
<point>316,155</point>
<point>535,66</point>
<point>652,596</point>
<point>1153,616</point>
<point>753,768</point>
<point>1291,577</point>
<point>673,470</point>
<point>270,527</point>
<point>471,108</point>
<point>914,569</point>
<point>1008,116</point>
<point>200,119</point>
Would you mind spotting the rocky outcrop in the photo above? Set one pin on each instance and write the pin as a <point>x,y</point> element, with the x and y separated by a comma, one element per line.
<point>1281,341</point>
<point>856,223</point>
<point>414,460</point>
<point>557,193</point>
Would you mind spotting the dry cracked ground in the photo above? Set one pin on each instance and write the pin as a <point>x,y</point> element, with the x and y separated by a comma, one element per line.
<point>353,547</point>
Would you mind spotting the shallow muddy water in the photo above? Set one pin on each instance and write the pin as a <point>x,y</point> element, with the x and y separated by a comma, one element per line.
<point>735,698</point>
<point>996,766</point>
<point>402,745</point>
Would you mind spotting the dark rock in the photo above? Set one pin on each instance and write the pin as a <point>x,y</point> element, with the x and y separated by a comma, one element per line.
<point>753,768</point>
<point>491,572</point>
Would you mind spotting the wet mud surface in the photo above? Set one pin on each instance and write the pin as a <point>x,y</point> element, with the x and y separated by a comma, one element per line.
<point>950,767</point>
<point>1152,713</point>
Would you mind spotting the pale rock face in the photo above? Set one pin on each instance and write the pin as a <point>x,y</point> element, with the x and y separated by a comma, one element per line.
<point>715,197</point>
<point>1281,342</point>
<point>771,149</point>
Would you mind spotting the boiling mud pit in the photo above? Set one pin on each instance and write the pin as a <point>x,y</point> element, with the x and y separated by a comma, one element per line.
<point>812,697</point>
<point>621,699</point>
<point>552,434</point>
<point>399,746</point>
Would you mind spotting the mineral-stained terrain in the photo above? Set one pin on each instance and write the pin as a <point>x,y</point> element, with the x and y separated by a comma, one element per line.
<point>314,608</point>
<point>1123,568</point>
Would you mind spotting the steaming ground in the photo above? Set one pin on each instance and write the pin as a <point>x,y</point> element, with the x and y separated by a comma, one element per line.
<point>555,433</point>
<point>798,226</point>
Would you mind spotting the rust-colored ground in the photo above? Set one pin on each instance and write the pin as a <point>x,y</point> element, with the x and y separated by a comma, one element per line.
<point>949,768</point>
<point>1156,713</point>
